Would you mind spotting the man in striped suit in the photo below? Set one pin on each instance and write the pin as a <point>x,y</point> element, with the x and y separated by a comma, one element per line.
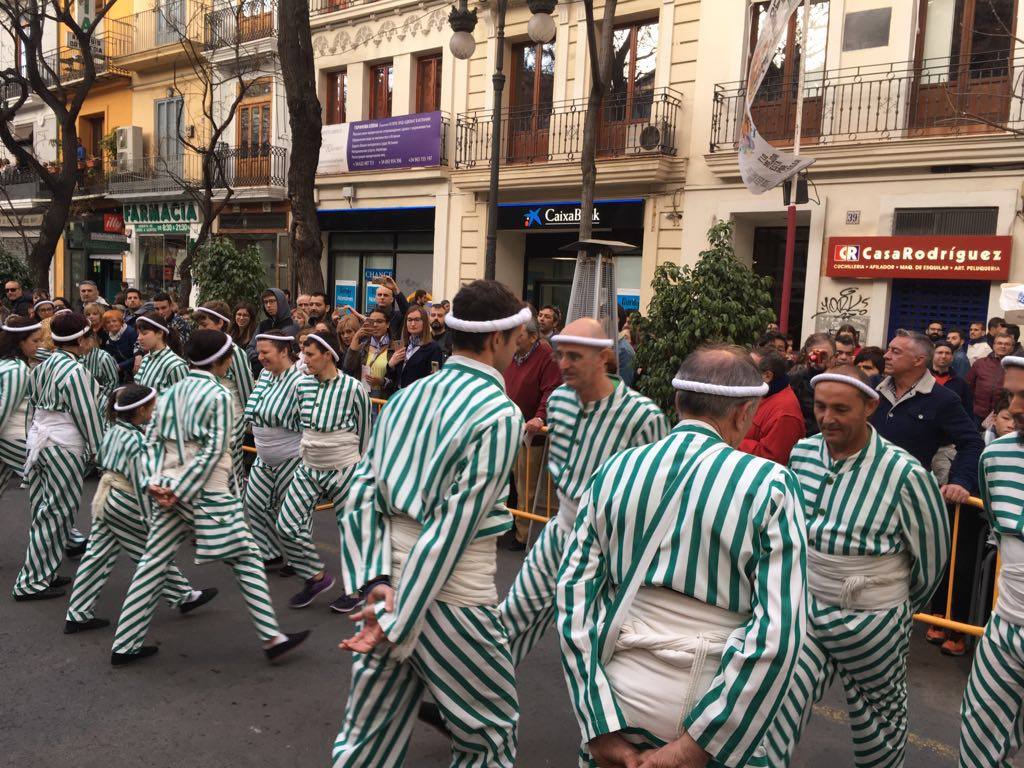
<point>991,713</point>
<point>878,541</point>
<point>681,594</point>
<point>591,417</point>
<point>428,510</point>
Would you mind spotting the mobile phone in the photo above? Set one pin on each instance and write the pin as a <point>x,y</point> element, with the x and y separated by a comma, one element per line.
<point>434,366</point>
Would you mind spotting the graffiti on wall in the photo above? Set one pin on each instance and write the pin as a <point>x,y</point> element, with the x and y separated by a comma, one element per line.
<point>849,306</point>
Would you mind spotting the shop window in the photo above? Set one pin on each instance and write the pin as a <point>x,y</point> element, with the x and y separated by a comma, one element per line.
<point>337,96</point>
<point>382,77</point>
<point>428,83</point>
<point>355,256</point>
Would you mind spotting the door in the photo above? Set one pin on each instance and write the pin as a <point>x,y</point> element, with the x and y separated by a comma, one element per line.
<point>631,94</point>
<point>170,21</point>
<point>428,84</point>
<point>255,20</point>
<point>533,77</point>
<point>770,261</point>
<point>382,80</point>
<point>962,69</point>
<point>252,166</point>
<point>167,137</point>
<point>774,108</point>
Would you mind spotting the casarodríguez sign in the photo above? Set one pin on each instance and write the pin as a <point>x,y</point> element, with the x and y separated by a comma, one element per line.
<point>925,257</point>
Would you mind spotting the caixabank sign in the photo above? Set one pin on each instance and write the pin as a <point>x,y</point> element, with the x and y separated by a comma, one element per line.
<point>935,257</point>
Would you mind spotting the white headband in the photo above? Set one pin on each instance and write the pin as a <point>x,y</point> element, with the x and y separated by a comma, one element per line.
<point>840,378</point>
<point>273,337</point>
<point>154,323</point>
<point>1010,361</point>
<point>323,344</point>
<point>217,355</point>
<point>38,304</point>
<point>22,329</point>
<point>60,311</point>
<point>583,341</point>
<point>720,389</point>
<point>73,336</point>
<point>136,404</point>
<point>214,313</point>
<point>524,315</point>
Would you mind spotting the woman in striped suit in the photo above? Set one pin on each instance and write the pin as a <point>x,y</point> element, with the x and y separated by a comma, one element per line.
<point>120,513</point>
<point>273,411</point>
<point>162,365</point>
<point>334,413</point>
<point>19,340</point>
<point>100,364</point>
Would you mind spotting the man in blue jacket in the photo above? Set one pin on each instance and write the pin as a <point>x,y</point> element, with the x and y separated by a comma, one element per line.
<point>920,416</point>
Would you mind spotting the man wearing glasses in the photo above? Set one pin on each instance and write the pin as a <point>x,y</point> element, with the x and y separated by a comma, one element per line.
<point>19,303</point>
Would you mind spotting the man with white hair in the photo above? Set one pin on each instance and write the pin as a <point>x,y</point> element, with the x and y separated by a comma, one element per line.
<point>878,541</point>
<point>681,594</point>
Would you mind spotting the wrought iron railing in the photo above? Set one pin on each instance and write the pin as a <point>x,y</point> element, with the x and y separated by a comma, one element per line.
<point>67,64</point>
<point>320,7</point>
<point>236,22</point>
<point>638,124</point>
<point>169,23</point>
<point>21,184</point>
<point>262,165</point>
<point>235,167</point>
<point>880,103</point>
<point>155,174</point>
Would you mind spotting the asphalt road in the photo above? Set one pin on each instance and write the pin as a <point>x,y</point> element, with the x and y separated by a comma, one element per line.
<point>210,700</point>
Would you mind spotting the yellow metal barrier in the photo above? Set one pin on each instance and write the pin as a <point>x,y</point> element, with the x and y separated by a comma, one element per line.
<point>945,622</point>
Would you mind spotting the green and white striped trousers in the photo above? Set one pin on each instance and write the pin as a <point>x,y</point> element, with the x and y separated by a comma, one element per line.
<point>55,490</point>
<point>529,608</point>
<point>264,493</point>
<point>168,529</point>
<point>295,521</point>
<point>462,660</point>
<point>992,726</point>
<point>12,461</point>
<point>868,650</point>
<point>122,527</point>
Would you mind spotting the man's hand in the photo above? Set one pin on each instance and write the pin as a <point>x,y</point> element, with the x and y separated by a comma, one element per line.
<point>389,281</point>
<point>371,635</point>
<point>955,494</point>
<point>162,496</point>
<point>684,752</point>
<point>611,750</point>
<point>534,425</point>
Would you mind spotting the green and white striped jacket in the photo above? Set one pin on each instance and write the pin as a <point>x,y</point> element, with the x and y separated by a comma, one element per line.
<point>878,502</point>
<point>124,451</point>
<point>14,385</point>
<point>1001,475</point>
<point>61,383</point>
<point>273,401</point>
<point>440,453</point>
<point>340,404</point>
<point>159,370</point>
<point>240,373</point>
<point>103,367</point>
<point>738,544</point>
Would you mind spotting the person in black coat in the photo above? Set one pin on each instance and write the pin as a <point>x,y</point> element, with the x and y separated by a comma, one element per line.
<point>418,356</point>
<point>119,341</point>
<point>942,370</point>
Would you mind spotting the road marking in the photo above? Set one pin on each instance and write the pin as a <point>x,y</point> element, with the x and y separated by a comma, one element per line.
<point>920,742</point>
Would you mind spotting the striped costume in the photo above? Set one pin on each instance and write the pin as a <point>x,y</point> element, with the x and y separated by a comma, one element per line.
<point>273,405</point>
<point>190,439</point>
<point>159,370</point>
<point>120,522</point>
<point>428,499</point>
<point>992,713</point>
<point>14,381</point>
<point>734,546</point>
<point>879,502</point>
<point>103,367</point>
<point>67,427</point>
<point>239,383</point>
<point>581,437</point>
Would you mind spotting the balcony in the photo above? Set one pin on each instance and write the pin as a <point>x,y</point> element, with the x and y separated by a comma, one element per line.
<point>642,125</point>
<point>158,174</point>
<point>259,166</point>
<point>164,31</point>
<point>241,22</point>
<point>940,100</point>
<point>66,65</point>
<point>321,7</point>
<point>21,186</point>
<point>247,171</point>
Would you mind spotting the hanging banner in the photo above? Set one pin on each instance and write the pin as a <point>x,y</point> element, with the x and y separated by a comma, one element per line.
<point>762,166</point>
<point>390,143</point>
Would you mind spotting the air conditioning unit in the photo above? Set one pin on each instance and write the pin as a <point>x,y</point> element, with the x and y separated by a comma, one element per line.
<point>129,148</point>
<point>643,138</point>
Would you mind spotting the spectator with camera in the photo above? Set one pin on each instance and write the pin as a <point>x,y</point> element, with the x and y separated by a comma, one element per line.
<point>815,357</point>
<point>367,356</point>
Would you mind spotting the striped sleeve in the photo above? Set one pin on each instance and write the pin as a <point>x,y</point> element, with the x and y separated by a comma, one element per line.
<point>214,439</point>
<point>242,373</point>
<point>361,406</point>
<point>364,511</point>
<point>83,397</point>
<point>731,718</point>
<point>139,468</point>
<point>925,525</point>
<point>13,389</point>
<point>652,427</point>
<point>490,451</point>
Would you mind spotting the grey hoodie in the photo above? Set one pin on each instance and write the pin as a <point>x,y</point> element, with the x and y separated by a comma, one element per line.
<point>281,322</point>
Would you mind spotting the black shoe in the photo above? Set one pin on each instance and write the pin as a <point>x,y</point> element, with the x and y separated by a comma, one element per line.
<point>47,594</point>
<point>205,596</point>
<point>121,659</point>
<point>430,714</point>
<point>60,581</point>
<point>272,563</point>
<point>509,541</point>
<point>286,571</point>
<point>347,603</point>
<point>75,551</point>
<point>275,652</point>
<point>71,627</point>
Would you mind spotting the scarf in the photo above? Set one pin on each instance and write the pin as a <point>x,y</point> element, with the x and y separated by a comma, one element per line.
<point>116,336</point>
<point>520,359</point>
<point>414,344</point>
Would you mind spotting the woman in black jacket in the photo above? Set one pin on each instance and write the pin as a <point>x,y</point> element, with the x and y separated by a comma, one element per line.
<point>418,356</point>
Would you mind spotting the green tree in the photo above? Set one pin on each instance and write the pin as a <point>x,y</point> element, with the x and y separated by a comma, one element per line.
<point>14,268</point>
<point>719,300</point>
<point>223,271</point>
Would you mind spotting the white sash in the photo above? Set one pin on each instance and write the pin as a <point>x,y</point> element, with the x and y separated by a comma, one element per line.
<point>52,429</point>
<point>567,511</point>
<point>275,445</point>
<point>15,429</point>
<point>859,582</point>
<point>174,466</point>
<point>108,481</point>
<point>329,450</point>
<point>1010,603</point>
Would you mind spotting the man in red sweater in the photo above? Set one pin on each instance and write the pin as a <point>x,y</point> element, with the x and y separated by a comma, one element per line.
<point>529,381</point>
<point>779,422</point>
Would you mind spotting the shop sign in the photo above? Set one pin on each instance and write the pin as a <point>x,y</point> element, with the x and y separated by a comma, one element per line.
<point>345,292</point>
<point>113,222</point>
<point>172,216</point>
<point>390,143</point>
<point>566,215</point>
<point>927,257</point>
<point>629,299</point>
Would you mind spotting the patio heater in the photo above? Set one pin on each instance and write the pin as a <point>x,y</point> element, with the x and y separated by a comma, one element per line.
<point>593,282</point>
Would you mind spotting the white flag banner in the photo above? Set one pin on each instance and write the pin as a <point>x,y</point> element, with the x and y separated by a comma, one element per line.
<point>1011,297</point>
<point>762,166</point>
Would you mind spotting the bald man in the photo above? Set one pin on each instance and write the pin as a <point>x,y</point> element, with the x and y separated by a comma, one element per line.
<point>591,417</point>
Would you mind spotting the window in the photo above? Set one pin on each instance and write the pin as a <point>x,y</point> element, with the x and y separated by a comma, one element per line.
<point>337,95</point>
<point>382,78</point>
<point>20,54</point>
<point>428,83</point>
<point>984,50</point>
<point>632,86</point>
<point>533,79</point>
<point>254,120</point>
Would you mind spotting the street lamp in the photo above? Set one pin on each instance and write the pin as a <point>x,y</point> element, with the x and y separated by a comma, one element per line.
<point>541,29</point>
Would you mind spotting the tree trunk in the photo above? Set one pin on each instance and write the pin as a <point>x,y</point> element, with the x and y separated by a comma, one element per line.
<point>58,213</point>
<point>599,40</point>
<point>295,49</point>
